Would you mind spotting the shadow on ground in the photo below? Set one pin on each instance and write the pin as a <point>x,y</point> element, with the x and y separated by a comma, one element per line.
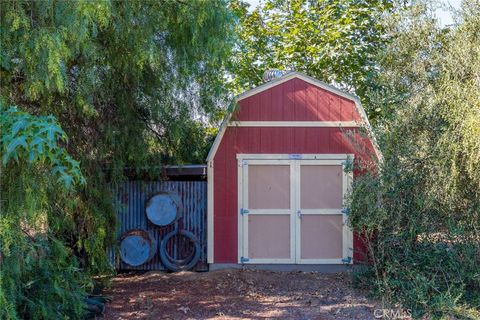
<point>237,294</point>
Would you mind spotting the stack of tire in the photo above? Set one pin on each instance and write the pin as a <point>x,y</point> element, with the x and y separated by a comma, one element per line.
<point>180,264</point>
<point>137,246</point>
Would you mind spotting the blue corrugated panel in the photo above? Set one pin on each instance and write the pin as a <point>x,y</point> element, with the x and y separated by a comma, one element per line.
<point>131,198</point>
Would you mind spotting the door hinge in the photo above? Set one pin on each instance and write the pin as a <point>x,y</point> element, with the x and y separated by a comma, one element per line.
<point>243,259</point>
<point>347,260</point>
<point>244,211</point>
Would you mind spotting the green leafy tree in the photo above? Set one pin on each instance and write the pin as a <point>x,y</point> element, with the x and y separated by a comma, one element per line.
<point>421,212</point>
<point>334,41</point>
<point>132,84</point>
<point>124,79</point>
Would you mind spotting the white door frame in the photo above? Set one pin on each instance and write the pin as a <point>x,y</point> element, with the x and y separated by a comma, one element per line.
<point>293,160</point>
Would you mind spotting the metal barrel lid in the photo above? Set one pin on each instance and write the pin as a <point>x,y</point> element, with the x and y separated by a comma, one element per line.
<point>163,208</point>
<point>137,247</point>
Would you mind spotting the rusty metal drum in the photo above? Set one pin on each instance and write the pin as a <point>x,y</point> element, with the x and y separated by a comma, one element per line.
<point>163,208</point>
<point>137,247</point>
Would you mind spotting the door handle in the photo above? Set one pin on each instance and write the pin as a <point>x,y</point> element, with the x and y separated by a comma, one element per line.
<point>299,214</point>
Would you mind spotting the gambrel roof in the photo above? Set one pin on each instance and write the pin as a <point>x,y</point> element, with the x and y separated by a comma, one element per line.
<point>289,76</point>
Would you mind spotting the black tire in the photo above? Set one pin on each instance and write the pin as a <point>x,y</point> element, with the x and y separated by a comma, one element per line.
<point>183,264</point>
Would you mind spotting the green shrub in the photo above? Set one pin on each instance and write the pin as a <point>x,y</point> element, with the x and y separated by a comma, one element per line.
<point>39,275</point>
<point>421,210</point>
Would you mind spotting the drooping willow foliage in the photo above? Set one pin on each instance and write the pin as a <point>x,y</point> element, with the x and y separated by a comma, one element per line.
<point>132,84</point>
<point>421,211</point>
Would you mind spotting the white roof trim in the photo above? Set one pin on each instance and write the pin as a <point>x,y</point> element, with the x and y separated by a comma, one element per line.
<point>290,76</point>
<point>285,78</point>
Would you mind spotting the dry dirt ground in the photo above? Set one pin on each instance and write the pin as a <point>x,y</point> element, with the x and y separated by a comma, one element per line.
<point>236,294</point>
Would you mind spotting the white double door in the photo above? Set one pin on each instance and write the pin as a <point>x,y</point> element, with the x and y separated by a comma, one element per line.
<point>291,210</point>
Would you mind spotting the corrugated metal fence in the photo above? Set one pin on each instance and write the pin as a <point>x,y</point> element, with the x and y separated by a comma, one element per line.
<point>131,199</point>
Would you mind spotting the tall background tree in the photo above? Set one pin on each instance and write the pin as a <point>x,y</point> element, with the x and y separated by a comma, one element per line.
<point>131,83</point>
<point>335,41</point>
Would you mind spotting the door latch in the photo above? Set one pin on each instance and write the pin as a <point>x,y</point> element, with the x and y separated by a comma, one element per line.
<point>299,214</point>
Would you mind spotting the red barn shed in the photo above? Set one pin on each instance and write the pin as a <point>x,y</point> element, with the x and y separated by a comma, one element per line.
<point>276,178</point>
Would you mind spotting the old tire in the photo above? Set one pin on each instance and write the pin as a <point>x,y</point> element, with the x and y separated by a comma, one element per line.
<point>184,264</point>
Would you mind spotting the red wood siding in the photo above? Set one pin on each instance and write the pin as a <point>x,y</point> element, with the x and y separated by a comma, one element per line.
<point>296,100</point>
